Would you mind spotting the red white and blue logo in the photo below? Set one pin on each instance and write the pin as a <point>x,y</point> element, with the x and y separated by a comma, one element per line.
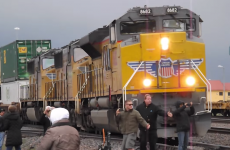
<point>166,67</point>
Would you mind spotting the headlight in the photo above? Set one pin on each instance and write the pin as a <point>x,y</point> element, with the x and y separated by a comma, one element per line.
<point>147,82</point>
<point>164,43</point>
<point>190,81</point>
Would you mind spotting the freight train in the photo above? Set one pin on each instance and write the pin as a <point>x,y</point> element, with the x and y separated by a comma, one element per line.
<point>150,50</point>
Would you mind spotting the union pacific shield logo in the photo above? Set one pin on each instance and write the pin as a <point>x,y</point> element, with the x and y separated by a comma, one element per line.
<point>166,67</point>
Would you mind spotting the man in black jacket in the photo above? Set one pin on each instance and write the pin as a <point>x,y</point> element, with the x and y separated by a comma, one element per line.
<point>44,120</point>
<point>181,117</point>
<point>149,112</point>
<point>2,134</point>
<point>13,124</point>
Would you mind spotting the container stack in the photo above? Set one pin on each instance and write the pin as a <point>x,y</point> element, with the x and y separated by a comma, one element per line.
<point>14,57</point>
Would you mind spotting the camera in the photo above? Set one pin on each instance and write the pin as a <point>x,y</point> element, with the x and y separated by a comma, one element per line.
<point>121,109</point>
<point>49,108</point>
<point>188,105</point>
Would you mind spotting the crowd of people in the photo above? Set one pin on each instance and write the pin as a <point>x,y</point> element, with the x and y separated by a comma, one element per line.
<point>59,134</point>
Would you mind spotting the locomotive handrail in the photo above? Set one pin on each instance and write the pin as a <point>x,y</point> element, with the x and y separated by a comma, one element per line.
<point>204,83</point>
<point>90,71</point>
<point>78,93</point>
<point>49,91</point>
<point>199,112</point>
<point>209,102</point>
<point>56,81</point>
<point>46,95</point>
<point>124,88</point>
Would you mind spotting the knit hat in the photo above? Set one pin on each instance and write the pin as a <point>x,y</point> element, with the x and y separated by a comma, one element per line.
<point>58,114</point>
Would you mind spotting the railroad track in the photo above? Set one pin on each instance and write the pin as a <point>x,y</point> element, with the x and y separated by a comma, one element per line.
<point>220,120</point>
<point>219,130</point>
<point>31,130</point>
<point>159,146</point>
<point>29,133</point>
<point>38,132</point>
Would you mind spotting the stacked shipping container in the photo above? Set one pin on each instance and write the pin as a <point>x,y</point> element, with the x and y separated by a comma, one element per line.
<point>14,73</point>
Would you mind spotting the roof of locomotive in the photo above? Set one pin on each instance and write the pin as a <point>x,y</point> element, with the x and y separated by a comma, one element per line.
<point>136,12</point>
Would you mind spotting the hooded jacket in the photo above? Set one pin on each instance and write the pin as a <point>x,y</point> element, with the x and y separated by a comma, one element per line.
<point>12,123</point>
<point>61,135</point>
<point>129,120</point>
<point>181,116</point>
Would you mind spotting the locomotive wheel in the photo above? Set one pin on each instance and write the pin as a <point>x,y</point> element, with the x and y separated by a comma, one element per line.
<point>23,115</point>
<point>214,113</point>
<point>70,117</point>
<point>40,112</point>
<point>73,118</point>
<point>225,114</point>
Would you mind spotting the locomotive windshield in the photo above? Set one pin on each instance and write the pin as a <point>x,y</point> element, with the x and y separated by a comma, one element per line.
<point>46,63</point>
<point>137,27</point>
<point>178,25</point>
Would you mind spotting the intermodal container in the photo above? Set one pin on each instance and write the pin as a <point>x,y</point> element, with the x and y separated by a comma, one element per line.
<point>10,92</point>
<point>14,58</point>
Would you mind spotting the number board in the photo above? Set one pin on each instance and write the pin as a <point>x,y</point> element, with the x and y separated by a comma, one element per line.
<point>172,10</point>
<point>145,11</point>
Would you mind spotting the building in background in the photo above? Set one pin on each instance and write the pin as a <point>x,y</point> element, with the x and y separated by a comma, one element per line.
<point>218,103</point>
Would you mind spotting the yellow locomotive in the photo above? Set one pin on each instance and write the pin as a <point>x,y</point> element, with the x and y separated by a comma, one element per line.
<point>154,50</point>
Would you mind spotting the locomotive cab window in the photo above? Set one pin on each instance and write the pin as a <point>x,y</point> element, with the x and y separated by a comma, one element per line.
<point>47,62</point>
<point>31,67</point>
<point>138,27</point>
<point>179,25</point>
<point>78,54</point>
<point>106,58</point>
<point>112,34</point>
<point>200,29</point>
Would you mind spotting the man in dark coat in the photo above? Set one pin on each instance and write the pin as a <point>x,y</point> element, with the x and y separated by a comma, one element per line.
<point>149,112</point>
<point>2,134</point>
<point>44,120</point>
<point>13,124</point>
<point>181,117</point>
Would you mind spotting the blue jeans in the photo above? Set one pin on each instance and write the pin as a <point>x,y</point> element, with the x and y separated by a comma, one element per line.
<point>11,147</point>
<point>2,135</point>
<point>183,140</point>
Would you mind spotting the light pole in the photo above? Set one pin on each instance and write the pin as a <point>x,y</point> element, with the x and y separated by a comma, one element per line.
<point>16,29</point>
<point>223,80</point>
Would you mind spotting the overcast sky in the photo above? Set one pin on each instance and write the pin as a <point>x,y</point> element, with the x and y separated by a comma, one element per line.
<point>65,20</point>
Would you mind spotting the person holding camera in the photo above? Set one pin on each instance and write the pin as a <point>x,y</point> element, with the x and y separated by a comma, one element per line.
<point>44,120</point>
<point>181,117</point>
<point>61,135</point>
